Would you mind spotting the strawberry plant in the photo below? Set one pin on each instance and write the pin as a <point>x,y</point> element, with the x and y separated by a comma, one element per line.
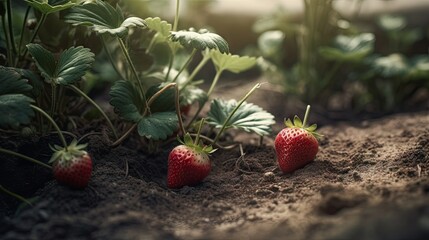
<point>141,97</point>
<point>152,99</point>
<point>296,145</point>
<point>19,109</point>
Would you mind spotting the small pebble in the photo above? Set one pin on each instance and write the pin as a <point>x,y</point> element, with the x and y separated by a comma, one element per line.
<point>356,176</point>
<point>269,176</point>
<point>252,202</point>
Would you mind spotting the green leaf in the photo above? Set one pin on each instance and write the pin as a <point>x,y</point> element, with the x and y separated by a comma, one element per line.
<point>200,40</point>
<point>297,122</point>
<point>419,67</point>
<point>161,55</point>
<point>45,60</point>
<point>270,43</point>
<point>289,123</point>
<point>233,63</point>
<point>15,110</point>
<point>158,126</point>
<point>33,79</point>
<point>12,82</point>
<point>312,128</point>
<point>346,48</point>
<point>187,140</point>
<point>158,25</point>
<point>165,102</point>
<point>391,66</point>
<point>392,23</point>
<point>51,6</point>
<point>128,104</point>
<point>14,105</point>
<point>70,67</point>
<point>126,101</point>
<point>249,117</point>
<point>192,94</point>
<point>103,18</point>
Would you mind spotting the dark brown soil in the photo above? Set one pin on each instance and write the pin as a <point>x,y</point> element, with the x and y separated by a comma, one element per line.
<point>370,180</point>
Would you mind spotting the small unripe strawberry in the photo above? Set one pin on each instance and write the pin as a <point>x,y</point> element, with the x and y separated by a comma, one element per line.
<point>296,145</point>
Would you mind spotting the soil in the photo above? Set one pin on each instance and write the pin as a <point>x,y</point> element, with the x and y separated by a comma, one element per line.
<point>370,180</point>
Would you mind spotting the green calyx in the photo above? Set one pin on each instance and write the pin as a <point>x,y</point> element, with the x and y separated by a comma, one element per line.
<point>68,153</point>
<point>297,123</point>
<point>196,144</point>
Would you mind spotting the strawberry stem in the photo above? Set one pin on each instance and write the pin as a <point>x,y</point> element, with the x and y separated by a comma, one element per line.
<point>179,115</point>
<point>25,157</point>
<point>307,113</point>
<point>197,139</point>
<point>133,69</point>
<point>60,134</point>
<point>206,58</point>
<point>80,92</point>
<point>123,137</point>
<point>146,111</point>
<point>156,95</point>
<point>176,17</point>
<point>194,51</point>
<point>15,195</point>
<point>258,85</point>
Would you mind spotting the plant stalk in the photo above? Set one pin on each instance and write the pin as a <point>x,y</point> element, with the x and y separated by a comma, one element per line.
<point>194,51</point>
<point>206,58</point>
<point>81,93</point>
<point>109,55</point>
<point>10,24</point>
<point>307,113</point>
<point>156,95</point>
<point>147,110</point>
<point>33,37</point>
<point>123,137</point>
<point>175,24</point>
<point>7,39</point>
<point>197,138</point>
<point>176,17</point>
<point>53,98</point>
<point>19,197</point>
<point>25,157</point>
<point>21,39</point>
<point>215,80</point>
<point>200,107</point>
<point>60,134</point>
<point>170,66</point>
<point>258,85</point>
<point>179,115</point>
<point>133,69</point>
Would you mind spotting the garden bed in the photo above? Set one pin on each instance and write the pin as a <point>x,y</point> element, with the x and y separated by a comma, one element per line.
<point>369,181</point>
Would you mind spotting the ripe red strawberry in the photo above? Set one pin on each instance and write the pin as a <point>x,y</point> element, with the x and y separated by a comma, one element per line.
<point>188,164</point>
<point>72,166</point>
<point>296,145</point>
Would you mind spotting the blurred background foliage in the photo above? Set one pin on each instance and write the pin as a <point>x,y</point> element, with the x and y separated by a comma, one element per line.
<point>322,56</point>
<point>345,63</point>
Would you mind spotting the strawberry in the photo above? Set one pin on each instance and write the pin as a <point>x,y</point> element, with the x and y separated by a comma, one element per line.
<point>296,145</point>
<point>185,109</point>
<point>72,166</point>
<point>188,164</point>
